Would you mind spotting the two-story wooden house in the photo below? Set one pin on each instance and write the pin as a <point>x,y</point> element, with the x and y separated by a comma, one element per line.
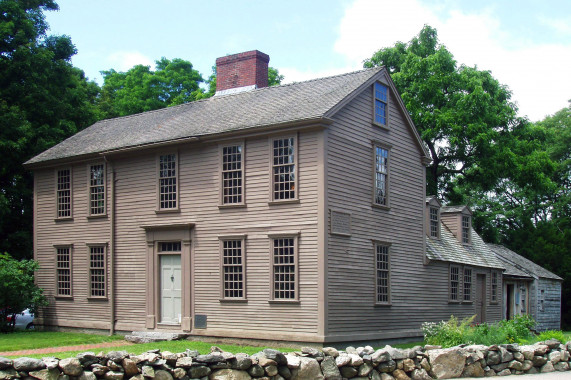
<point>293,213</point>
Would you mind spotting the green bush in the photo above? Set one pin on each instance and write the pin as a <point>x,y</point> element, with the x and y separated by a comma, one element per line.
<point>452,333</point>
<point>551,334</point>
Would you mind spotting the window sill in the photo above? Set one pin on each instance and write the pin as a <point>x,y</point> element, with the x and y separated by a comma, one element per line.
<point>383,304</point>
<point>97,299</point>
<point>70,298</point>
<point>68,219</point>
<point>382,126</point>
<point>380,207</point>
<point>166,325</point>
<point>284,202</point>
<point>168,211</point>
<point>230,300</point>
<point>284,302</point>
<point>102,216</point>
<point>232,205</point>
<point>454,302</point>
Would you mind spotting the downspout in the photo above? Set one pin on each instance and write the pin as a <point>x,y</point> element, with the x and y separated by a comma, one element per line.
<point>111,249</point>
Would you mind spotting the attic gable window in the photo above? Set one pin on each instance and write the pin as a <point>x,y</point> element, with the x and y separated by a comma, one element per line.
<point>97,189</point>
<point>168,178</point>
<point>465,229</point>
<point>63,193</point>
<point>434,223</point>
<point>381,96</point>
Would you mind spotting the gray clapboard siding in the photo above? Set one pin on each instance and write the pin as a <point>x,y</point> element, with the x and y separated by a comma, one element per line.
<point>550,317</point>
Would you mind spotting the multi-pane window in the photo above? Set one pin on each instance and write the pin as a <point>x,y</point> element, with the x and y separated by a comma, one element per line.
<point>232,174</point>
<point>97,189</point>
<point>465,229</point>
<point>97,276</point>
<point>494,286</point>
<point>63,271</point>
<point>381,102</point>
<point>64,193</point>
<point>383,278</point>
<point>284,269</point>
<point>454,282</point>
<point>167,182</point>
<point>467,284</point>
<point>283,169</point>
<point>170,246</point>
<point>381,175</point>
<point>434,222</point>
<point>233,268</point>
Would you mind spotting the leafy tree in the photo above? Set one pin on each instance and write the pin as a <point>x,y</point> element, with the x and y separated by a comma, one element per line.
<point>140,89</point>
<point>43,99</point>
<point>274,79</point>
<point>17,289</point>
<point>459,111</point>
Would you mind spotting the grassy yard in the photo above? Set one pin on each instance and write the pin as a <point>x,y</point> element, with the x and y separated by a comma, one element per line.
<point>29,340</point>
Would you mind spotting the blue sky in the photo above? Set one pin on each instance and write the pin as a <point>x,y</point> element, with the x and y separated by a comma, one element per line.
<point>526,44</point>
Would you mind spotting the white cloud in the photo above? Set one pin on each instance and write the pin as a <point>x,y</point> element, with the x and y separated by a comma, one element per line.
<point>537,74</point>
<point>124,60</point>
<point>560,25</point>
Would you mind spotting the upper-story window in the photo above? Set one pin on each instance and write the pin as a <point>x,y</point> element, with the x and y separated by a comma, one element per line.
<point>381,176</point>
<point>168,175</point>
<point>465,229</point>
<point>284,178</point>
<point>381,95</point>
<point>97,189</point>
<point>434,222</point>
<point>64,193</point>
<point>232,174</point>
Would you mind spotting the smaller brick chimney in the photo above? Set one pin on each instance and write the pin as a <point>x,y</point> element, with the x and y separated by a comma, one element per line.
<point>241,72</point>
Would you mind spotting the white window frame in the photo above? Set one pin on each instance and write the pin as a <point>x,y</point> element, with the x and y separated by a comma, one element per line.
<point>224,201</point>
<point>273,238</point>
<point>274,166</point>
<point>378,271</point>
<point>465,228</point>
<point>92,190</point>
<point>93,268</point>
<point>160,203</point>
<point>226,293</point>
<point>387,174</point>
<point>59,270</point>
<point>434,233</point>
<point>60,194</point>
<point>378,99</point>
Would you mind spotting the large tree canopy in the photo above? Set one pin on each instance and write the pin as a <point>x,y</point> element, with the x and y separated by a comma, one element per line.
<point>43,99</point>
<point>141,89</point>
<point>459,111</point>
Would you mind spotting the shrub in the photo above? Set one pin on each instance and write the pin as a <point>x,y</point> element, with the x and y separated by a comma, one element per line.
<point>17,289</point>
<point>451,333</point>
<point>551,334</point>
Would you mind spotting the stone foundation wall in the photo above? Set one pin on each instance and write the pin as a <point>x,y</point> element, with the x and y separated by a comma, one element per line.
<point>418,363</point>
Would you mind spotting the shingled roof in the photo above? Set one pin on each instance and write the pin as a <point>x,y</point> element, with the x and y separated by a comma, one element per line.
<point>449,249</point>
<point>521,263</point>
<point>297,102</point>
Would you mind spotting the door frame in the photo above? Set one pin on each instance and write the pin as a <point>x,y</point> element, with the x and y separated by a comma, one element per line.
<point>162,233</point>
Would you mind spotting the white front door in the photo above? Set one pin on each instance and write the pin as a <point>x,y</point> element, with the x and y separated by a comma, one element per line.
<point>170,289</point>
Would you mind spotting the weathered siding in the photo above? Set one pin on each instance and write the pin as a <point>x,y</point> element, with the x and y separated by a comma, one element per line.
<point>79,310</point>
<point>199,186</point>
<point>419,292</point>
<point>548,318</point>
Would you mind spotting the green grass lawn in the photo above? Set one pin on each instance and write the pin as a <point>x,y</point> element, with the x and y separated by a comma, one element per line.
<point>36,339</point>
<point>29,340</point>
<point>567,335</point>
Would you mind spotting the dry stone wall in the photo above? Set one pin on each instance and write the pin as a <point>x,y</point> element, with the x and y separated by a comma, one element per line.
<point>418,363</point>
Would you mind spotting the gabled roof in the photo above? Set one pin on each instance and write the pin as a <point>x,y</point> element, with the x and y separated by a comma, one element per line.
<point>449,249</point>
<point>521,263</point>
<point>451,209</point>
<point>315,101</point>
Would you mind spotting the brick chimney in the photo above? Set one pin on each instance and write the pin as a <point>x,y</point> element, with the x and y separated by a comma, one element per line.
<point>241,72</point>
